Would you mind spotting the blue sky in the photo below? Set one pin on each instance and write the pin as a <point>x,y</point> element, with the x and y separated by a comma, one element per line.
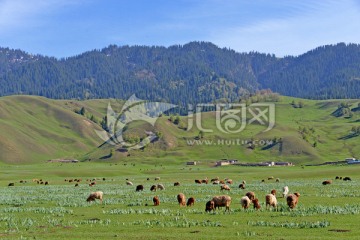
<point>64,28</point>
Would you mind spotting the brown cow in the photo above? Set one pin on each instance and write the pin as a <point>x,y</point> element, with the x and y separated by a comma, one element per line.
<point>229,181</point>
<point>250,195</point>
<point>273,192</point>
<point>95,195</point>
<point>292,200</point>
<point>256,203</point>
<point>210,206</point>
<point>326,182</point>
<point>190,202</point>
<point>156,201</point>
<point>197,181</point>
<point>225,187</point>
<point>181,199</point>
<point>245,202</point>
<point>222,201</point>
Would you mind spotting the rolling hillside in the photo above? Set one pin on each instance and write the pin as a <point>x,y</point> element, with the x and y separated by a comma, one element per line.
<point>34,129</point>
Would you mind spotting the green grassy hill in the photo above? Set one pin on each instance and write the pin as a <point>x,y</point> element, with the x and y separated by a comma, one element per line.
<point>35,129</point>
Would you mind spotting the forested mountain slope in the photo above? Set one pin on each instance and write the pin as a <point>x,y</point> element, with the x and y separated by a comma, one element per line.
<point>191,73</point>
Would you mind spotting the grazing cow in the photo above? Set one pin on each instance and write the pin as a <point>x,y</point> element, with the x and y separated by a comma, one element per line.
<point>277,180</point>
<point>327,182</point>
<point>256,203</point>
<point>214,179</point>
<point>242,186</point>
<point>225,187</point>
<point>250,195</point>
<point>181,199</point>
<point>271,201</point>
<point>92,184</point>
<point>210,206</point>
<point>337,177</point>
<point>156,201</point>
<point>347,179</point>
<point>104,179</point>
<point>263,180</point>
<point>285,191</point>
<point>222,201</point>
<point>70,180</point>
<point>160,186</point>
<point>153,188</point>
<point>229,181</point>
<point>157,178</point>
<point>273,192</point>
<point>206,181</point>
<point>46,183</point>
<point>222,181</point>
<point>95,195</point>
<point>11,184</point>
<point>216,182</point>
<point>245,202</point>
<point>190,202</point>
<point>76,185</point>
<point>292,200</point>
<point>176,184</point>
<point>197,181</point>
<point>270,178</point>
<point>139,188</point>
<point>129,183</point>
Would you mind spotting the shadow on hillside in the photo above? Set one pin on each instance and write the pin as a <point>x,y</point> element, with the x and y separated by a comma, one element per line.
<point>349,136</point>
<point>106,157</point>
<point>337,113</point>
<point>355,109</point>
<point>267,147</point>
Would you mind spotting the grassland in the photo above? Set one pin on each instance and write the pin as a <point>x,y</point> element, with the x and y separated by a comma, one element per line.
<point>59,210</point>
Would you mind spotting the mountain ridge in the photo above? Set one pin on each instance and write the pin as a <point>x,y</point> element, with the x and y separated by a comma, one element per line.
<point>181,74</point>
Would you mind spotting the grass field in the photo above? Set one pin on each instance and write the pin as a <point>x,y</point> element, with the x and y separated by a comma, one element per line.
<point>35,129</point>
<point>59,210</point>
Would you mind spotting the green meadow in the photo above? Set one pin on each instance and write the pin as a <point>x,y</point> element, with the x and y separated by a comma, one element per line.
<point>60,211</point>
<point>35,129</point>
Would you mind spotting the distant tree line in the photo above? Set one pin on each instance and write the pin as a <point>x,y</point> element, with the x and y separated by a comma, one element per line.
<point>197,72</point>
